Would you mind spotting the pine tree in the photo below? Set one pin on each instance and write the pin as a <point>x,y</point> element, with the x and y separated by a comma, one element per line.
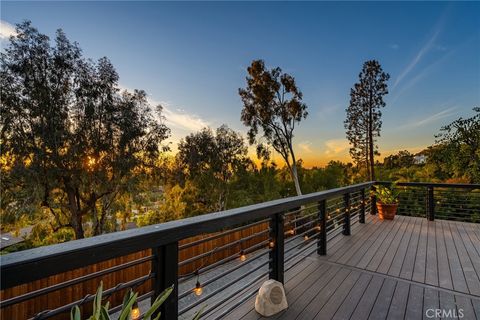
<point>363,121</point>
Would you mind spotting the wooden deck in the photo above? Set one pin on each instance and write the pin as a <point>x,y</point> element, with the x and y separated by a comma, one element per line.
<point>401,269</point>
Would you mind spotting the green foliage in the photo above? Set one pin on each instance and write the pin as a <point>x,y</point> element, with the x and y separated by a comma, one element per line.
<point>172,207</point>
<point>71,141</point>
<point>210,161</point>
<point>457,149</point>
<point>387,195</point>
<point>100,312</point>
<point>401,159</point>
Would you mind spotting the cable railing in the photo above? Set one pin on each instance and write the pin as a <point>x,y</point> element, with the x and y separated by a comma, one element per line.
<point>215,261</point>
<point>459,202</point>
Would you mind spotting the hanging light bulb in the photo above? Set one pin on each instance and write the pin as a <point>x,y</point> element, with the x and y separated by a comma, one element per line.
<point>135,313</point>
<point>243,257</point>
<point>198,288</point>
<point>271,244</point>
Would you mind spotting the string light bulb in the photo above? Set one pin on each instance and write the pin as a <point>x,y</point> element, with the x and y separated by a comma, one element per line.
<point>198,288</point>
<point>243,257</point>
<point>271,244</point>
<point>135,313</point>
<point>305,237</point>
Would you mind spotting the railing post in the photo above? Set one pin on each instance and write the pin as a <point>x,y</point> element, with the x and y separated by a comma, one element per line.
<point>361,217</point>
<point>373,203</point>
<point>430,204</point>
<point>322,220</point>
<point>165,266</point>
<point>346,221</point>
<point>277,251</point>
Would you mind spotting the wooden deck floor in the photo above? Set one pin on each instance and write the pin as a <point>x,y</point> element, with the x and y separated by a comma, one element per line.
<point>397,269</point>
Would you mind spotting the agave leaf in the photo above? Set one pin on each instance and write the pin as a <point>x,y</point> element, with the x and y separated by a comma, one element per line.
<point>75,313</point>
<point>127,308</point>
<point>126,298</point>
<point>158,302</point>
<point>104,313</point>
<point>97,302</point>
<point>158,316</point>
<point>199,313</point>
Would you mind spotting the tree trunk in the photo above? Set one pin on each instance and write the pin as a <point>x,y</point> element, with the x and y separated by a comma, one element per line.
<point>76,222</point>
<point>371,144</point>
<point>75,214</point>
<point>295,179</point>
<point>367,163</point>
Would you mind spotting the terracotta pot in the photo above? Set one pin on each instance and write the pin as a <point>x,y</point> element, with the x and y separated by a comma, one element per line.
<point>386,211</point>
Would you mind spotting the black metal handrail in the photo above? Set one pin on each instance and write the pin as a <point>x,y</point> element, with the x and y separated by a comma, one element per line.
<point>54,259</point>
<point>323,215</point>
<point>163,239</point>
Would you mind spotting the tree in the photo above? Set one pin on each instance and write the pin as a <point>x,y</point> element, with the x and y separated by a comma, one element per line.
<point>458,148</point>
<point>70,140</point>
<point>212,160</point>
<point>173,207</point>
<point>363,121</point>
<point>273,103</point>
<point>401,159</point>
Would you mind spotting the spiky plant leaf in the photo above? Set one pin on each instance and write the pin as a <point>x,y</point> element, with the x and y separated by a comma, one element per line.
<point>104,313</point>
<point>126,309</point>
<point>158,302</point>
<point>97,302</point>
<point>199,313</point>
<point>75,313</point>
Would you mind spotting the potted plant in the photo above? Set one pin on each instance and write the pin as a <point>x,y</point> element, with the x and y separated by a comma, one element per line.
<point>387,201</point>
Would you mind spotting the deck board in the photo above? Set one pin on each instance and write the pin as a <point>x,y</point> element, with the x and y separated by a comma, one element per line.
<point>386,270</point>
<point>431,269</point>
<point>415,303</point>
<point>459,282</point>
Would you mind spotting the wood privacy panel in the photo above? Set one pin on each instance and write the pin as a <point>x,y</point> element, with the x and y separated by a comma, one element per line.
<point>64,296</point>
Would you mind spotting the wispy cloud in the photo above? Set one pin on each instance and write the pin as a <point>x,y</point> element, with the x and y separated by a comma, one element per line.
<point>432,118</point>
<point>306,146</point>
<point>420,75</point>
<point>418,57</point>
<point>179,119</point>
<point>6,30</point>
<point>335,146</point>
<point>175,117</point>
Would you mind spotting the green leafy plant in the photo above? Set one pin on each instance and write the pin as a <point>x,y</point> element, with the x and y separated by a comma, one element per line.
<point>387,195</point>
<point>100,312</point>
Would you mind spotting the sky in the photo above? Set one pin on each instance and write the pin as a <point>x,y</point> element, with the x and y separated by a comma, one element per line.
<point>191,57</point>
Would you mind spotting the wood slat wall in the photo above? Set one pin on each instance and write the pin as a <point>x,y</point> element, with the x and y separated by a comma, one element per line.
<point>50,301</point>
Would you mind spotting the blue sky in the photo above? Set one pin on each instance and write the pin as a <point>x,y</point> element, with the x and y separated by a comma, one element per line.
<point>192,57</point>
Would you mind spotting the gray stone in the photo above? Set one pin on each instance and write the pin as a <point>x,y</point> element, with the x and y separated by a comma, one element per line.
<point>271,298</point>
